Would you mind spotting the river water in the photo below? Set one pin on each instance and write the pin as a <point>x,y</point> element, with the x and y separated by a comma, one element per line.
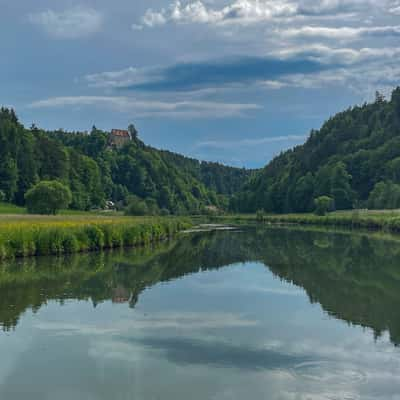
<point>272,313</point>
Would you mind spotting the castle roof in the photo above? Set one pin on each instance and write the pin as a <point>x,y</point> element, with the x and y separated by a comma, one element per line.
<point>120,133</point>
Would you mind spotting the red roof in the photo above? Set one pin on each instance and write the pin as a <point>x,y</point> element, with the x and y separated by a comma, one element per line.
<point>120,132</point>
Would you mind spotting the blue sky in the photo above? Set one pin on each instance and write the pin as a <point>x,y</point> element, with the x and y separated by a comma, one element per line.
<point>235,81</point>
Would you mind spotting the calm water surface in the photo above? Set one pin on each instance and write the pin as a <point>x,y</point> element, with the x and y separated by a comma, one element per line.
<point>260,314</point>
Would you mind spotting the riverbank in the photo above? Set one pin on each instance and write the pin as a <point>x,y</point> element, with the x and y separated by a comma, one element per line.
<point>388,221</point>
<point>26,235</point>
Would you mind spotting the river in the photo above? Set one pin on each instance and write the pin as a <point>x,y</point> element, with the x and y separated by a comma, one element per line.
<point>271,313</point>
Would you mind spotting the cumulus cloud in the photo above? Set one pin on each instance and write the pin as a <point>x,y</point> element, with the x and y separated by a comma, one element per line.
<point>149,108</point>
<point>248,11</point>
<point>68,24</point>
<point>243,11</point>
<point>394,7</point>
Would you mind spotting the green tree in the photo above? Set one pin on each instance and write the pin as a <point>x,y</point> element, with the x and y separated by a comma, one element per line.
<point>340,187</point>
<point>303,193</point>
<point>48,197</point>
<point>136,206</point>
<point>385,195</point>
<point>133,132</point>
<point>8,177</point>
<point>323,204</point>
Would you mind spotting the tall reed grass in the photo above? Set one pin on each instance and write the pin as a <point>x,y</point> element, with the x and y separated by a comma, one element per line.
<point>45,236</point>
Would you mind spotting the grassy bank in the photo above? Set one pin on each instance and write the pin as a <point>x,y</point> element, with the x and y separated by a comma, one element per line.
<point>26,235</point>
<point>7,208</point>
<point>363,219</point>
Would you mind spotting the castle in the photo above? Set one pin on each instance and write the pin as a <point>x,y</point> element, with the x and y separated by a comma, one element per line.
<point>118,138</point>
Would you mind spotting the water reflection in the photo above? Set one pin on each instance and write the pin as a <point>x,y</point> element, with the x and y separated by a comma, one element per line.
<point>355,277</point>
<point>221,315</point>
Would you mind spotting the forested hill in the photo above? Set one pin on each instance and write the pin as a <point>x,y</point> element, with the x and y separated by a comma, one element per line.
<point>354,158</point>
<point>96,173</point>
<point>215,176</point>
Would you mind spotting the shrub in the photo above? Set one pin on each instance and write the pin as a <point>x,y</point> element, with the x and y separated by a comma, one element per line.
<point>136,206</point>
<point>323,204</point>
<point>48,197</point>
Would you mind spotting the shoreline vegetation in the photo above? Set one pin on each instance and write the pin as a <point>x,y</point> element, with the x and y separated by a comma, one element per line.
<point>25,235</point>
<point>384,220</point>
<point>32,235</point>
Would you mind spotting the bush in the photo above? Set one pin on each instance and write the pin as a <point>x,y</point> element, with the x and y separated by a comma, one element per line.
<point>48,197</point>
<point>137,207</point>
<point>323,204</point>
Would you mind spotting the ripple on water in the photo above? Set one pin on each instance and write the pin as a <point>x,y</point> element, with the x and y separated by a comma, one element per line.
<point>330,372</point>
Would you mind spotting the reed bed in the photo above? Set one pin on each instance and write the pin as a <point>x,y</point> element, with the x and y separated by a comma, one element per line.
<point>25,236</point>
<point>359,219</point>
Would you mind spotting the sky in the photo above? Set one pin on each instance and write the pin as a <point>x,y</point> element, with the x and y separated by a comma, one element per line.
<point>233,81</point>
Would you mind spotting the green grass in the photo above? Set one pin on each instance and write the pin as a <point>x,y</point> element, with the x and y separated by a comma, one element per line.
<point>388,220</point>
<point>26,235</point>
<point>6,208</point>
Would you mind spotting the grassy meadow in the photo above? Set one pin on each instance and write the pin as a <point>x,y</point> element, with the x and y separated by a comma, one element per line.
<point>23,235</point>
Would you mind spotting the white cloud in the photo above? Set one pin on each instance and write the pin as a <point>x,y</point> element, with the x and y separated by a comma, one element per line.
<point>340,33</point>
<point>249,11</point>
<point>122,78</point>
<point>323,7</point>
<point>343,55</point>
<point>148,108</point>
<point>243,11</point>
<point>69,24</point>
<point>364,78</point>
<point>394,7</point>
<point>345,66</point>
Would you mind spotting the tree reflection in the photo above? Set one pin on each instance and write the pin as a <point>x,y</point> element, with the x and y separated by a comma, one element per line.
<point>354,276</point>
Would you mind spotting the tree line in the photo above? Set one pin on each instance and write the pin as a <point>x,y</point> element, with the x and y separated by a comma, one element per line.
<point>158,181</point>
<point>354,159</point>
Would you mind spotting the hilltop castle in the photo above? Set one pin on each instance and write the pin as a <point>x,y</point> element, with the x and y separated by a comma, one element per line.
<point>120,137</point>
